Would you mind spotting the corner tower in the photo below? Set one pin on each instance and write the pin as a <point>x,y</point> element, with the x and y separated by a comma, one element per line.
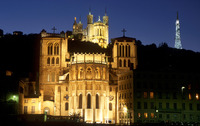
<point>178,44</point>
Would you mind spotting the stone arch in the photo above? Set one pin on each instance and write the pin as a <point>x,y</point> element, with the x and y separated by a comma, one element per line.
<point>47,110</point>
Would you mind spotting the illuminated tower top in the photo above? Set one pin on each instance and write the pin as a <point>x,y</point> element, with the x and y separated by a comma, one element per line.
<point>178,44</point>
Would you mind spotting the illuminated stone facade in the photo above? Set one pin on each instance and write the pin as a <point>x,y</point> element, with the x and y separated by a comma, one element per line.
<point>96,32</point>
<point>84,83</point>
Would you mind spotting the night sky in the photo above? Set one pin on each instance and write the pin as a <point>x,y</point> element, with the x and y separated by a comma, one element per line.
<point>151,21</point>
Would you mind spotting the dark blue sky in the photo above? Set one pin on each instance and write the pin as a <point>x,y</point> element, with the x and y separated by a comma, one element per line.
<point>151,21</point>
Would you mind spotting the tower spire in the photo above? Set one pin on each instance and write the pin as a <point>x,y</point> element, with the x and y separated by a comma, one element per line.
<point>105,11</point>
<point>89,10</point>
<point>178,44</point>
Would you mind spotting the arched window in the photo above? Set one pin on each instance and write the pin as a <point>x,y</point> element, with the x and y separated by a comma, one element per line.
<point>50,49</point>
<point>120,63</point>
<point>66,106</point>
<point>97,101</point>
<point>122,50</point>
<point>129,63</point>
<point>124,63</point>
<point>129,51</point>
<point>110,106</point>
<point>80,102</point>
<point>53,60</point>
<point>48,61</point>
<point>57,60</point>
<point>56,49</point>
<point>89,101</point>
<point>119,50</point>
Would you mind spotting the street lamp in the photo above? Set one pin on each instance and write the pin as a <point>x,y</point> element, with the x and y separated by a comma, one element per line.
<point>182,88</point>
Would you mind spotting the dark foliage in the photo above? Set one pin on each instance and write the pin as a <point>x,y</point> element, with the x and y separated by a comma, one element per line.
<point>77,46</point>
<point>165,58</point>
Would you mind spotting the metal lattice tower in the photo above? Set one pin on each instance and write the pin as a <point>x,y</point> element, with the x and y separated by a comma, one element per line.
<point>178,44</point>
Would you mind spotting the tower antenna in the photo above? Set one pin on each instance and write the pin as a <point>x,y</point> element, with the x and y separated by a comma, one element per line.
<point>178,44</point>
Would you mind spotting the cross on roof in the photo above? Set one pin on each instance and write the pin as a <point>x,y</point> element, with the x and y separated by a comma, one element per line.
<point>54,29</point>
<point>123,32</point>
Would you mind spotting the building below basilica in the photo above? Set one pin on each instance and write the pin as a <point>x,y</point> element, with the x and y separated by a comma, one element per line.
<point>82,83</point>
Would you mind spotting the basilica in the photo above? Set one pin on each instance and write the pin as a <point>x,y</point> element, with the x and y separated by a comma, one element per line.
<point>94,84</point>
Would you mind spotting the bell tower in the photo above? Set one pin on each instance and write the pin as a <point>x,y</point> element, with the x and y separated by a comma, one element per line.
<point>90,18</point>
<point>105,18</point>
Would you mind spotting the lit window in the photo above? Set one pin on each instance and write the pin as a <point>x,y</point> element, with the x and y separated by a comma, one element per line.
<point>33,101</point>
<point>145,115</point>
<point>152,115</point>
<point>197,96</point>
<point>26,101</point>
<point>190,96</point>
<point>145,94</point>
<point>151,95</point>
<point>139,115</point>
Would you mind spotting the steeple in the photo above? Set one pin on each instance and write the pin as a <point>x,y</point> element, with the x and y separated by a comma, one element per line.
<point>75,23</point>
<point>99,19</point>
<point>90,11</point>
<point>105,12</point>
<point>90,17</point>
<point>80,20</point>
<point>178,44</point>
<point>105,18</point>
